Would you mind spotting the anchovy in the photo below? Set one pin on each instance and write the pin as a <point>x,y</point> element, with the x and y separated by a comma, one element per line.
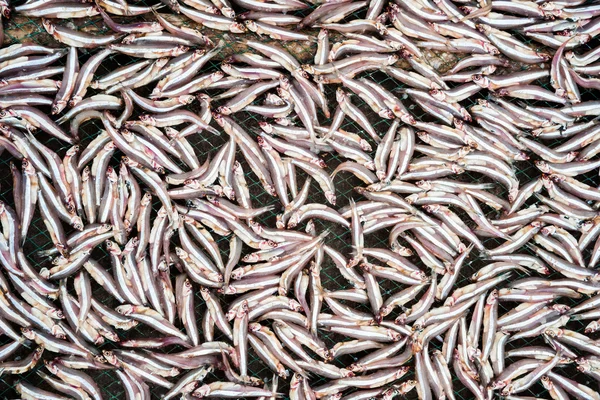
<point>76,38</point>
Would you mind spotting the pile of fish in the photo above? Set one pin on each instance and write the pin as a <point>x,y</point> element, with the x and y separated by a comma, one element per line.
<point>440,182</point>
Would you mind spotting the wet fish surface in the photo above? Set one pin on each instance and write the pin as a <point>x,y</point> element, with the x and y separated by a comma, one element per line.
<point>300,199</point>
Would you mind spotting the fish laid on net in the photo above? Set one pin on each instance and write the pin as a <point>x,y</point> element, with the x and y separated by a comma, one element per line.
<point>299,199</point>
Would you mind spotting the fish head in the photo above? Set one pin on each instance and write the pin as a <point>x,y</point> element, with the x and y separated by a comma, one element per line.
<point>58,106</point>
<point>186,99</point>
<point>110,357</point>
<point>542,166</point>
<point>29,333</point>
<point>224,110</point>
<point>493,297</point>
<point>236,27</point>
<point>547,383</point>
<point>508,389</point>
<point>553,332</point>
<point>330,196</point>
<point>561,308</point>
<point>229,290</point>
<point>548,230</point>
<point>267,244</point>
<point>55,313</point>
<point>190,387</point>
<point>129,38</point>
<point>7,113</point>
<point>125,309</point>
<point>52,366</point>
<point>77,222</point>
<point>481,81</point>
<point>386,113</point>
<point>408,119</point>
<point>254,327</point>
<point>572,155</point>
<point>48,26</point>
<point>251,25</point>
<point>161,62</point>
<point>489,48</point>
<point>485,29</point>
<point>544,56</point>
<point>438,94</point>
<point>148,119</point>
